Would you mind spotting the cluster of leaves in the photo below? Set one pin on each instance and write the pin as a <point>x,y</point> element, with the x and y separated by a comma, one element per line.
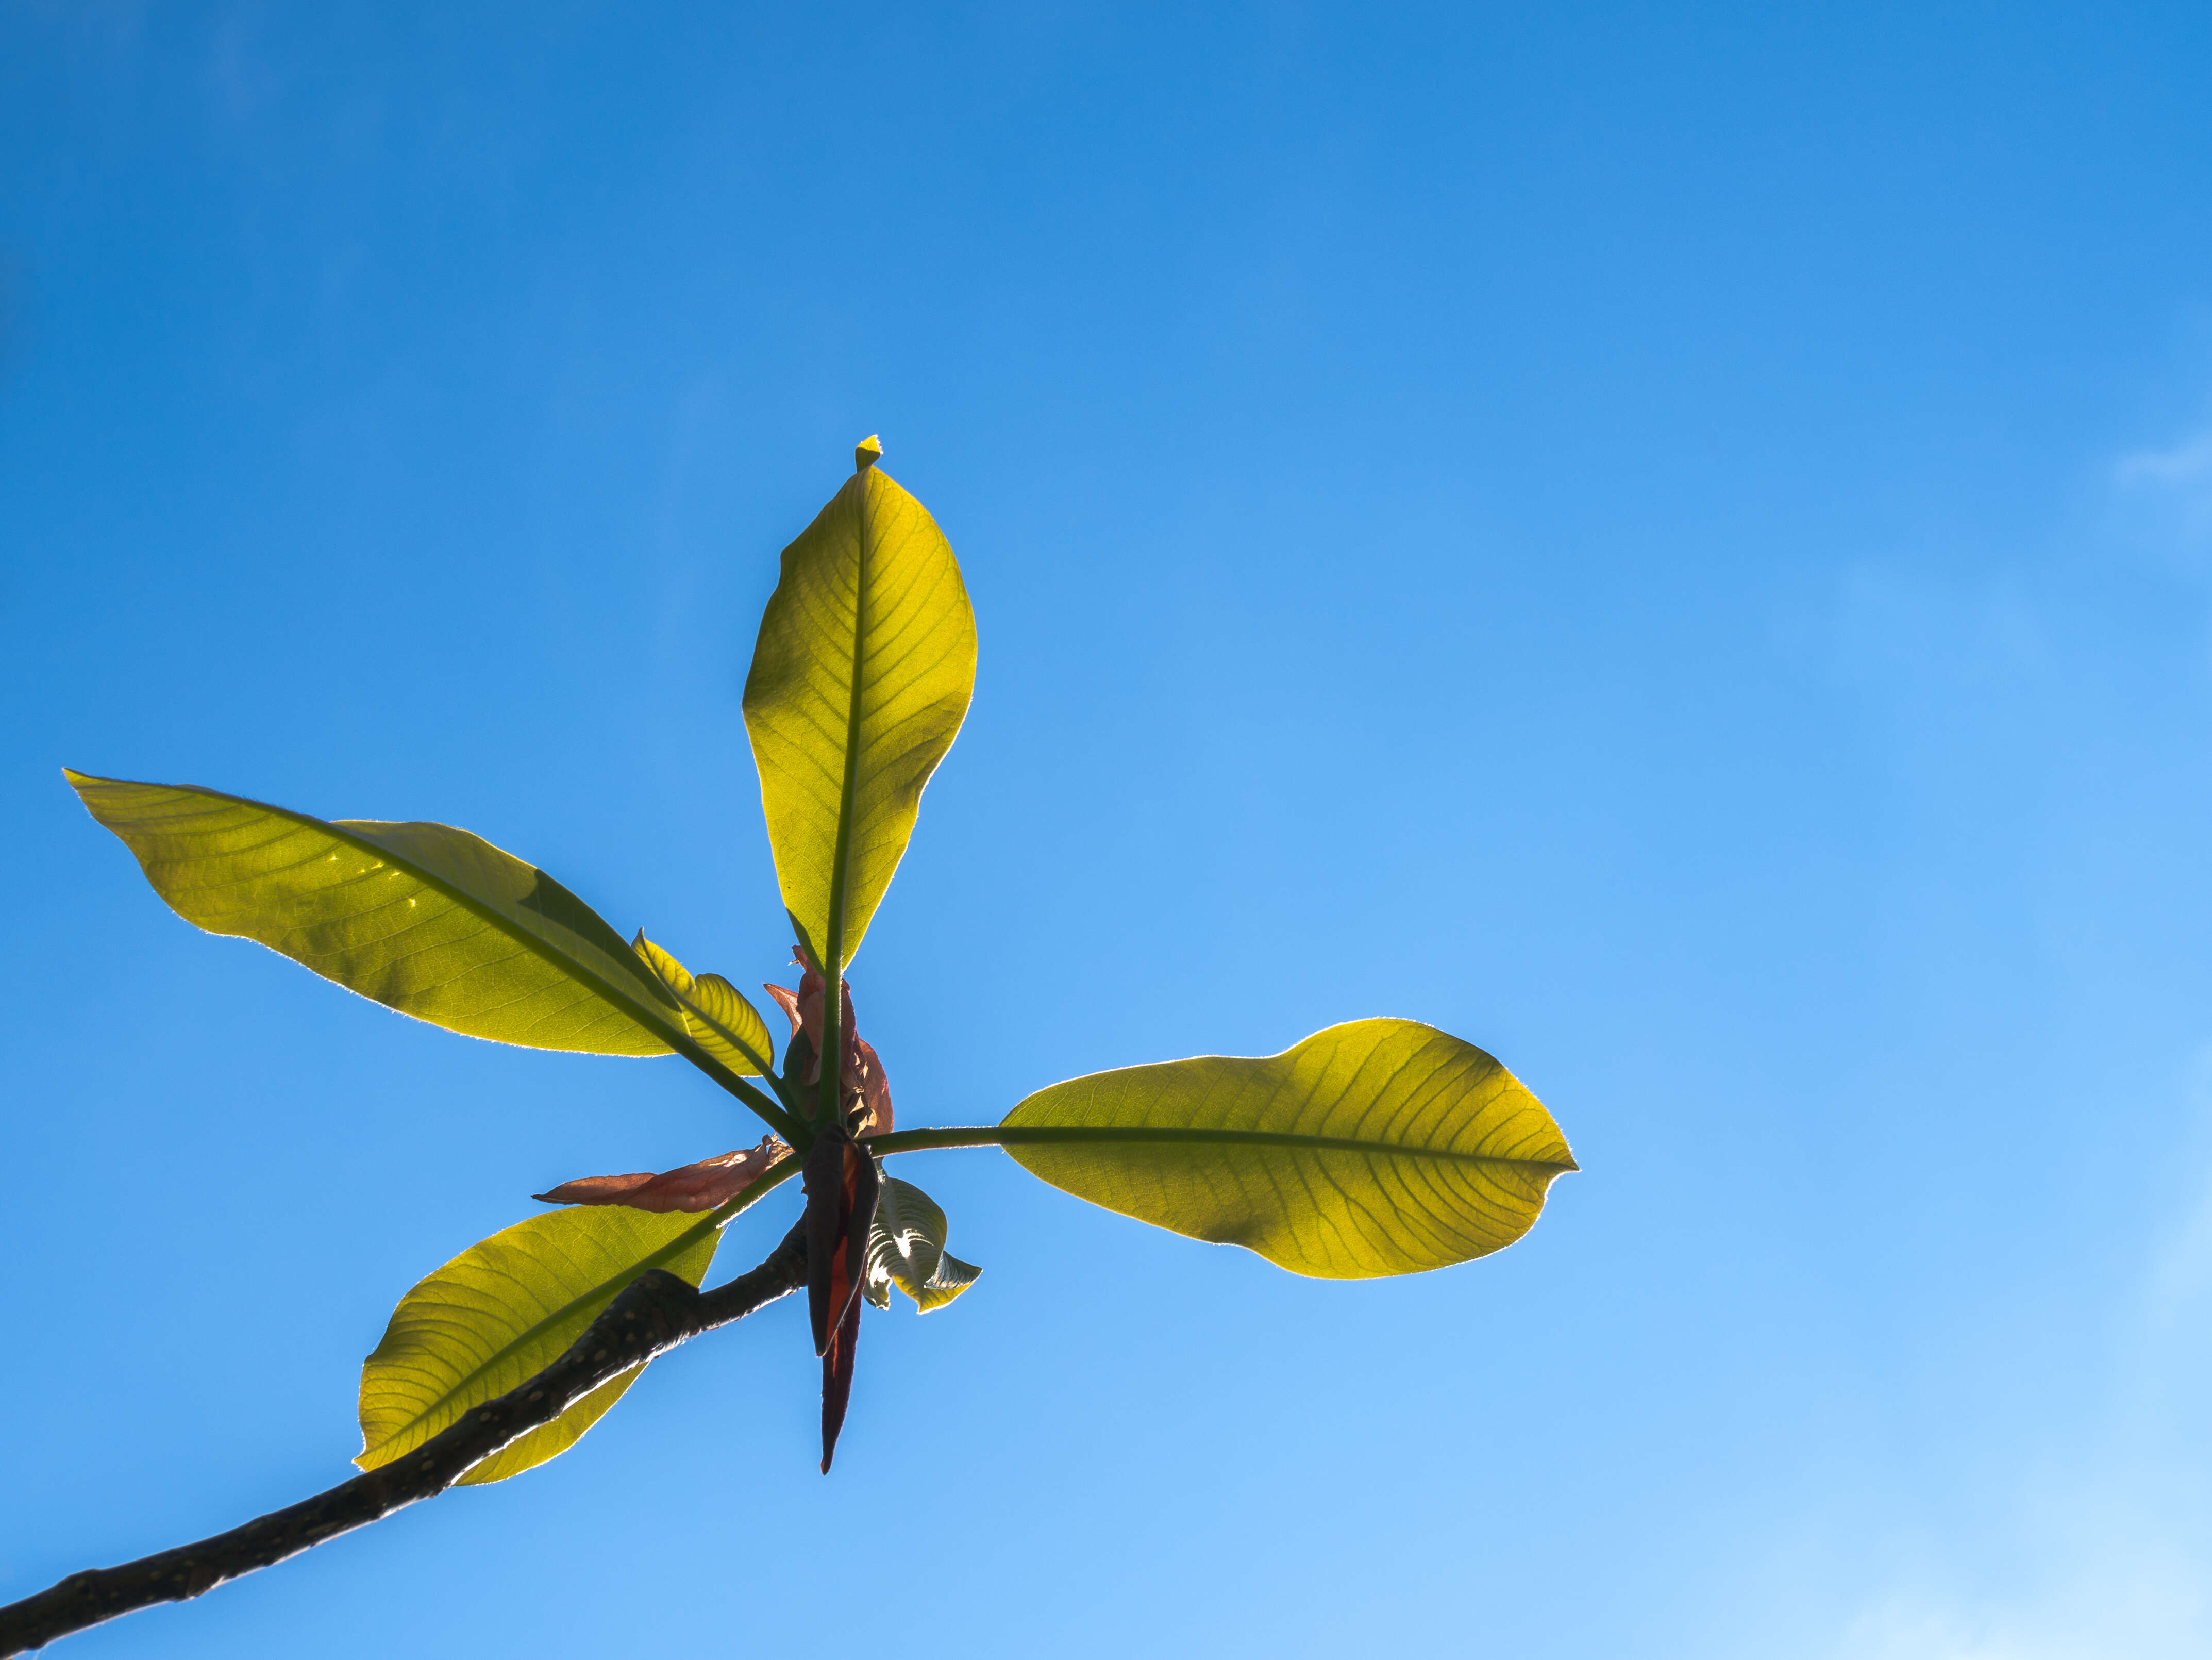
<point>1380,1147</point>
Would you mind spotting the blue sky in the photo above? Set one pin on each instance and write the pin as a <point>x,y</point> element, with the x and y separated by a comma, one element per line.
<point>1673,543</point>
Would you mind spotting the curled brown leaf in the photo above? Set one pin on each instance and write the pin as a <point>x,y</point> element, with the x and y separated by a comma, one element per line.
<point>864,1092</point>
<point>868,1092</point>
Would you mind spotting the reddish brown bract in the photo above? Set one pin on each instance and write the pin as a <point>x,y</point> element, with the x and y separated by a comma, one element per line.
<point>842,1185</point>
<point>704,1186</point>
<point>866,1092</point>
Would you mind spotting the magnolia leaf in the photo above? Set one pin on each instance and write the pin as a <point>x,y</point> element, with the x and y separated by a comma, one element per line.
<point>715,1013</point>
<point>425,919</point>
<point>1380,1147</point>
<point>906,1248</point>
<point>503,1311</point>
<point>859,679</point>
<point>704,1186</point>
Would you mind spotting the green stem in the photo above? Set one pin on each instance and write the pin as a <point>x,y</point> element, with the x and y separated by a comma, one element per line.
<point>831,1060</point>
<point>784,1092</point>
<point>773,1116</point>
<point>775,1176</point>
<point>923,1140</point>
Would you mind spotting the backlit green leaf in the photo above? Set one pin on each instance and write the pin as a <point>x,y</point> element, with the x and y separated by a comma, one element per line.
<point>860,680</point>
<point>425,919</point>
<point>503,1311</point>
<point>906,1248</point>
<point>1380,1147</point>
<point>715,1013</point>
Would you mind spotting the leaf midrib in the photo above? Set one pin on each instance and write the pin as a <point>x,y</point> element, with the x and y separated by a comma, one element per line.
<point>679,1041</point>
<point>917,1140</point>
<point>460,896</point>
<point>833,962</point>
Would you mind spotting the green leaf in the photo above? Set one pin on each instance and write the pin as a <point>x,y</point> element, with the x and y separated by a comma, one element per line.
<point>906,1248</point>
<point>1380,1147</point>
<point>424,918</point>
<point>715,1013</point>
<point>505,1310</point>
<point>860,679</point>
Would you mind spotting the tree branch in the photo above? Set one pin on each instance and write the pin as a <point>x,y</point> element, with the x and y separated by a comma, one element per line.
<point>650,1315</point>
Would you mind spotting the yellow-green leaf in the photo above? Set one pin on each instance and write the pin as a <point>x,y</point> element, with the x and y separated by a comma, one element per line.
<point>860,679</point>
<point>1380,1147</point>
<point>715,1013</point>
<point>505,1310</point>
<point>424,918</point>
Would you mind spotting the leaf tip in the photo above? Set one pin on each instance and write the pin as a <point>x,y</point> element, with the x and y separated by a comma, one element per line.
<point>865,454</point>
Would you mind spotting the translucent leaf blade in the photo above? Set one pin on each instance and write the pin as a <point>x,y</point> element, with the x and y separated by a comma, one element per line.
<point>1378,1147</point>
<point>504,1310</point>
<point>719,1019</point>
<point>425,919</point>
<point>859,681</point>
<point>906,1248</point>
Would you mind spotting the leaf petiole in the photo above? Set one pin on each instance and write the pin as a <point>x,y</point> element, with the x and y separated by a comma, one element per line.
<point>783,1123</point>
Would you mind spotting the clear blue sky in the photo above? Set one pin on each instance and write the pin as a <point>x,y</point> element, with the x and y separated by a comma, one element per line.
<point>1673,542</point>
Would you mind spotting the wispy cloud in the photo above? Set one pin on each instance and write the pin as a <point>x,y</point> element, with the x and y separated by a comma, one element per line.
<point>2111,1553</point>
<point>2172,488</point>
<point>2185,466</point>
<point>2129,1598</point>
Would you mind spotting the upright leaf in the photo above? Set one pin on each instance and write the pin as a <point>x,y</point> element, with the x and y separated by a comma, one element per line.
<point>503,1311</point>
<point>1380,1147</point>
<point>860,679</point>
<point>425,919</point>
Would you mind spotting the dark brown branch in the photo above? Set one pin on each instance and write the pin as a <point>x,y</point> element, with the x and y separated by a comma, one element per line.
<point>652,1314</point>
